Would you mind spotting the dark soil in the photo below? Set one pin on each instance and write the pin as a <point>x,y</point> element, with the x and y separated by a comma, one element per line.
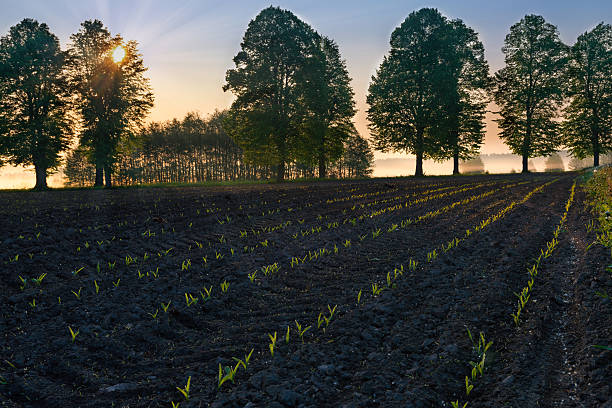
<point>406,346</point>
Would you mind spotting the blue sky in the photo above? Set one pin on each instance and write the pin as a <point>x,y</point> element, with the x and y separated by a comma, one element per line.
<point>188,45</point>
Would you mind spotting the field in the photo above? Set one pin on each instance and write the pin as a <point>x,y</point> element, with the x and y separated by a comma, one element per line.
<point>374,293</point>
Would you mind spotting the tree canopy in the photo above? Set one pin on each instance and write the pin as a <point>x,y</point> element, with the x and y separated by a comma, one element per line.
<point>529,89</point>
<point>420,96</point>
<point>35,126</point>
<point>112,97</point>
<point>587,128</point>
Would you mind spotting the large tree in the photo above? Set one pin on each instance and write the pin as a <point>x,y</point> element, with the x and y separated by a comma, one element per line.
<point>404,95</point>
<point>464,95</point>
<point>328,106</point>
<point>34,121</point>
<point>528,90</point>
<point>113,95</point>
<point>587,127</point>
<point>265,116</point>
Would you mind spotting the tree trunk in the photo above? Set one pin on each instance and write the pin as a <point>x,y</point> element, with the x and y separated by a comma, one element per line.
<point>419,153</point>
<point>99,175</point>
<point>525,163</point>
<point>41,177</point>
<point>456,162</point>
<point>280,172</point>
<point>107,176</point>
<point>595,149</point>
<point>322,169</point>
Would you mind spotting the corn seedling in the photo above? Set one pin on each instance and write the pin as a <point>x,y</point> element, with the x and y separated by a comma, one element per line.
<point>111,266</point>
<point>376,290</point>
<point>116,284</point>
<point>301,331</point>
<point>76,271</point>
<point>175,404</point>
<point>224,286</point>
<point>185,391</point>
<point>77,294</point>
<point>32,303</point>
<point>23,282</point>
<point>359,297</point>
<point>287,335</point>
<point>165,306</point>
<point>185,265</point>
<point>252,276</point>
<point>229,374</point>
<point>468,386</point>
<point>455,404</point>
<point>272,343</point>
<point>190,299</point>
<point>245,362</point>
<point>73,334</point>
<point>154,315</point>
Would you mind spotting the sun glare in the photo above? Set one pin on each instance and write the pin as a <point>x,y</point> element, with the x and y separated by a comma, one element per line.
<point>118,54</point>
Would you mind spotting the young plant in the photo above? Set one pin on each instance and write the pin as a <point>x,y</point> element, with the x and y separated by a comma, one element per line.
<point>245,362</point>
<point>185,391</point>
<point>77,294</point>
<point>301,331</point>
<point>165,306</point>
<point>224,286</point>
<point>73,334</point>
<point>272,343</point>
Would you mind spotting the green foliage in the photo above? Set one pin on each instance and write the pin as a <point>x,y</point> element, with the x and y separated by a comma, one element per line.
<point>410,90</point>
<point>587,128</point>
<point>112,98</point>
<point>528,90</point>
<point>328,106</point>
<point>35,126</point>
<point>264,118</point>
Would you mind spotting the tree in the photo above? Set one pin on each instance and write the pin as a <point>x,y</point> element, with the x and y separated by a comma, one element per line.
<point>554,162</point>
<point>357,159</point>
<point>587,127</point>
<point>264,118</point>
<point>34,123</point>
<point>464,101</point>
<point>404,95</point>
<point>528,90</point>
<point>112,97</point>
<point>328,106</point>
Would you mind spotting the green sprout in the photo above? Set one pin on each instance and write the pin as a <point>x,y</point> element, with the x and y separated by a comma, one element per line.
<point>73,334</point>
<point>165,306</point>
<point>272,343</point>
<point>359,296</point>
<point>301,331</point>
<point>77,294</point>
<point>224,286</point>
<point>185,390</point>
<point>229,374</point>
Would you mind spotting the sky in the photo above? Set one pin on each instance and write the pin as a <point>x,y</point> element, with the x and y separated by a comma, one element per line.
<point>189,45</point>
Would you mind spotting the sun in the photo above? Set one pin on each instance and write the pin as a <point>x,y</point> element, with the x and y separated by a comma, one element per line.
<point>118,54</point>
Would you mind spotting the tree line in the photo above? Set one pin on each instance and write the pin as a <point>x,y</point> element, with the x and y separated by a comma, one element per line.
<point>430,93</point>
<point>196,150</point>
<point>294,105</point>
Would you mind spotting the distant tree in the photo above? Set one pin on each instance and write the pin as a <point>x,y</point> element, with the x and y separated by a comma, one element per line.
<point>465,97</point>
<point>328,106</point>
<point>79,171</point>
<point>528,90</point>
<point>473,166</point>
<point>554,163</point>
<point>404,95</point>
<point>34,103</point>
<point>112,97</point>
<point>357,159</point>
<point>587,127</point>
<point>264,118</point>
